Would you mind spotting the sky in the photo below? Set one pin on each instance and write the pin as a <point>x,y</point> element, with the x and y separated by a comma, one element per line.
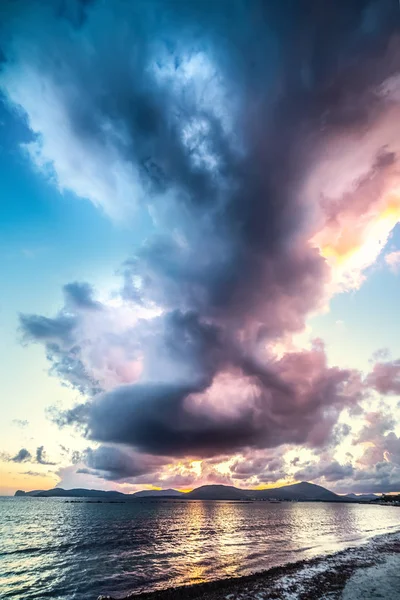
<point>200,244</point>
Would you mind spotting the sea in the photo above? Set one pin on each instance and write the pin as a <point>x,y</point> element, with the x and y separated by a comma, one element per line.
<point>62,549</point>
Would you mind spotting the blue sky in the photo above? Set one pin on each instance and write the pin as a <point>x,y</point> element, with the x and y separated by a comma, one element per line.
<point>363,321</point>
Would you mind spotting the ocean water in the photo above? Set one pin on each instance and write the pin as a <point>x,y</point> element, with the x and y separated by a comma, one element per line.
<point>52,548</point>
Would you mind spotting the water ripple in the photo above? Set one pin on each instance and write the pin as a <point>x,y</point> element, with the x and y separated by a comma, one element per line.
<point>75,551</point>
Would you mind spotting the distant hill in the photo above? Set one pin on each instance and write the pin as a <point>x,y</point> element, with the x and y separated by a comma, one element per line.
<point>302,492</point>
<point>298,491</point>
<point>217,492</point>
<point>362,497</point>
<point>158,493</point>
<point>74,493</point>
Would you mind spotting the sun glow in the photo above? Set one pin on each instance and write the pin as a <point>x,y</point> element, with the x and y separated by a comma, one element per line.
<point>195,465</point>
<point>11,480</point>
<point>352,247</point>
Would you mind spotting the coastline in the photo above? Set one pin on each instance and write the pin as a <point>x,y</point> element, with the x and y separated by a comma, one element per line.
<point>339,575</point>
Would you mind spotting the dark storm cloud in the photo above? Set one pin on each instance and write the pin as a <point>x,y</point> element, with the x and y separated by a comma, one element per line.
<point>297,401</point>
<point>209,115</point>
<point>154,419</point>
<point>114,463</point>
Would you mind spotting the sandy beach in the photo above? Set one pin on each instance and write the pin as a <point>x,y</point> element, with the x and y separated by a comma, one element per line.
<point>367,572</point>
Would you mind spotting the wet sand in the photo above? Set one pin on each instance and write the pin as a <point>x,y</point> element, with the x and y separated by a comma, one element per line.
<point>362,573</point>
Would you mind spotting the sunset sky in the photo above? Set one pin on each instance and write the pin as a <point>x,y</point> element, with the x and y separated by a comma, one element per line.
<point>200,244</point>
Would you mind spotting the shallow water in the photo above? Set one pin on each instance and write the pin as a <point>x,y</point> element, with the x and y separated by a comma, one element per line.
<point>377,582</point>
<point>52,548</point>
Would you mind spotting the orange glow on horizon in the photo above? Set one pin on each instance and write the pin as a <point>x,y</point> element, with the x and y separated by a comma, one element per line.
<point>11,480</point>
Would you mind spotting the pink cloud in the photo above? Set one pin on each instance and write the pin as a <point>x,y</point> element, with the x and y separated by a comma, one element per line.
<point>385,377</point>
<point>393,260</point>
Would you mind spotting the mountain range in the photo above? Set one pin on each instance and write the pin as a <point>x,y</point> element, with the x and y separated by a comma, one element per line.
<point>303,491</point>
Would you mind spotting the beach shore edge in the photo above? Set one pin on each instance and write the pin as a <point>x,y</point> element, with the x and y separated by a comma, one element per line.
<point>304,580</point>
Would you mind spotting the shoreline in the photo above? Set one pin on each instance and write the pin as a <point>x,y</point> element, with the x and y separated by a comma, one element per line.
<point>310,579</point>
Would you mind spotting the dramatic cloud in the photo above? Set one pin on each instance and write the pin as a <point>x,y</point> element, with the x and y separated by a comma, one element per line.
<point>296,400</point>
<point>110,462</point>
<point>263,141</point>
